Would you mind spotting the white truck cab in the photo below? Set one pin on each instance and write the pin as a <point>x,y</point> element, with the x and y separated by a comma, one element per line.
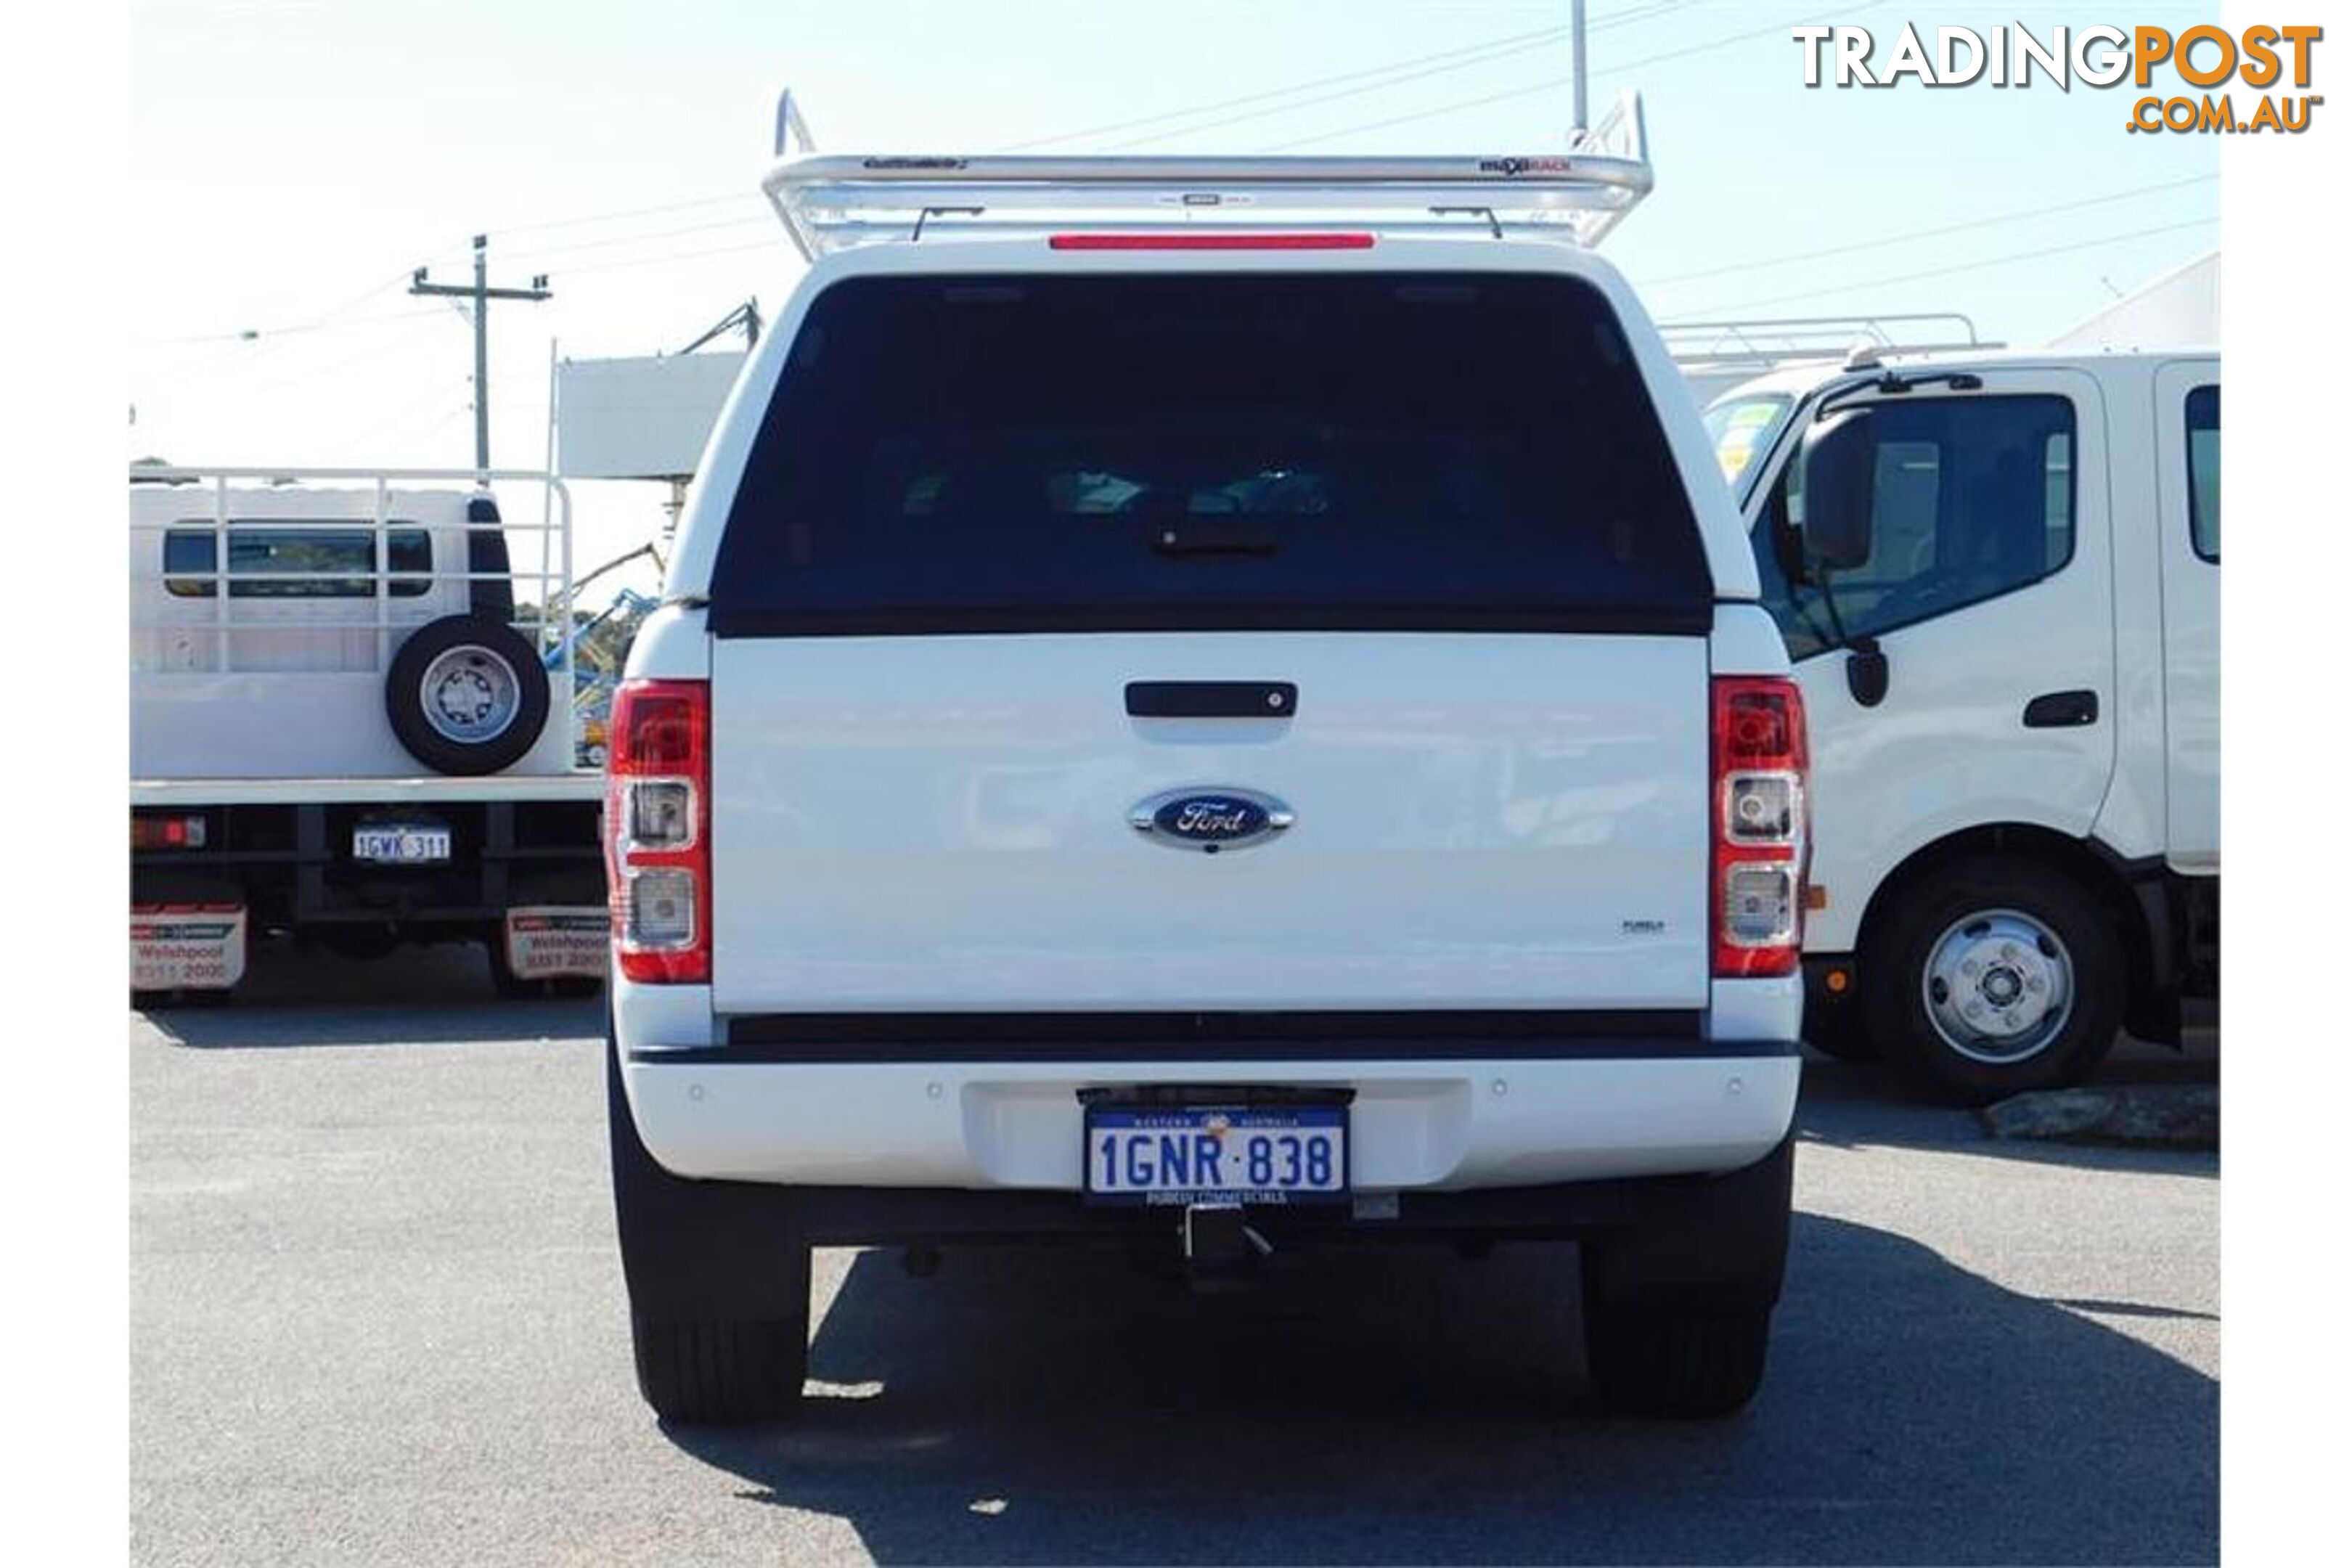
<point>1209,703</point>
<point>2013,681</point>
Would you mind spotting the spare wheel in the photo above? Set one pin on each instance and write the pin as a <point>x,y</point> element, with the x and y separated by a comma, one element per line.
<point>466,695</point>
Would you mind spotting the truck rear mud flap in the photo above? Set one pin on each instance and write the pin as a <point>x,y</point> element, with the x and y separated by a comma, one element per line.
<point>557,942</point>
<point>187,946</point>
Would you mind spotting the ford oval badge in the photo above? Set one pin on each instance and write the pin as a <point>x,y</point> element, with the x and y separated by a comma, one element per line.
<point>1209,820</point>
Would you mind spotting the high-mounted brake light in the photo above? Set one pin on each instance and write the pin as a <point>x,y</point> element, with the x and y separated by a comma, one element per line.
<point>1211,242</point>
<point>657,831</point>
<point>1761,824</point>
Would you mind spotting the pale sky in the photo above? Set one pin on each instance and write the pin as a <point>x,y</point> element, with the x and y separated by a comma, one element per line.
<point>293,160</point>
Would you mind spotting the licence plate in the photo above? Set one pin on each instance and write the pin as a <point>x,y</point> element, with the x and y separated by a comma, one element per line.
<point>401,846</point>
<point>1271,1155</point>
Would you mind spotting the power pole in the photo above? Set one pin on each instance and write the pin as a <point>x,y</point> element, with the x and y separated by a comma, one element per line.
<point>481,293</point>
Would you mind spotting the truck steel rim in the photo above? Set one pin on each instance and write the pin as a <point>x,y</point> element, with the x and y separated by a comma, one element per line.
<point>469,695</point>
<point>1999,986</point>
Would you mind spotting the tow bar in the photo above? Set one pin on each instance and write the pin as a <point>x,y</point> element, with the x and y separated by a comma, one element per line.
<point>1220,1246</point>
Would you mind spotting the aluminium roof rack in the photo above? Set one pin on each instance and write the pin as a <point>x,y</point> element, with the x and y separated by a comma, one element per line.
<point>1790,340</point>
<point>831,202</point>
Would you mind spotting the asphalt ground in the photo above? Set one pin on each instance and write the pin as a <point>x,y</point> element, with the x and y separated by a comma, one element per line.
<point>376,1316</point>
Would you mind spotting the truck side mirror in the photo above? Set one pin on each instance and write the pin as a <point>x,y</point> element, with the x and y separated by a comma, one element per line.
<point>1841,475</point>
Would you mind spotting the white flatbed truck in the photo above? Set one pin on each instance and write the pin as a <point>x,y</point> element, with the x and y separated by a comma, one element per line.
<point>343,726</point>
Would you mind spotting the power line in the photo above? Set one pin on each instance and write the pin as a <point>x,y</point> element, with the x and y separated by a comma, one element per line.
<point>292,328</point>
<point>587,219</point>
<point>1650,12</point>
<point>774,242</point>
<point>1820,292</point>
<point>648,238</point>
<point>1970,223</point>
<point>1357,91</point>
<point>1492,48</point>
<point>1397,76</point>
<point>407,413</point>
<point>1507,45</point>
<point>1553,84</point>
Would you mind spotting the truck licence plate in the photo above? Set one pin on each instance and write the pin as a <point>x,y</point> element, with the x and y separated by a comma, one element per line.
<point>401,846</point>
<point>1270,1155</point>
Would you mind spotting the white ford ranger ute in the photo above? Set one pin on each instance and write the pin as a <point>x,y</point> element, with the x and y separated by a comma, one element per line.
<point>1226,738</point>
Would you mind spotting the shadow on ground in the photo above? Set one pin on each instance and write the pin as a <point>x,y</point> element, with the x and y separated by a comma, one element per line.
<point>1857,1104</point>
<point>299,995</point>
<point>1038,1406</point>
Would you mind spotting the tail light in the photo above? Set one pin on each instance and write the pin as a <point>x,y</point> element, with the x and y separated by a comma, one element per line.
<point>657,830</point>
<point>1760,826</point>
<point>152,832</point>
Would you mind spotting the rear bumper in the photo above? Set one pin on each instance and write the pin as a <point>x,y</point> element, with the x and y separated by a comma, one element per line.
<point>1587,1110</point>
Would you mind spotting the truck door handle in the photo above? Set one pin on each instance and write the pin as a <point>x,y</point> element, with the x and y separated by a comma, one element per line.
<point>2062,710</point>
<point>1212,699</point>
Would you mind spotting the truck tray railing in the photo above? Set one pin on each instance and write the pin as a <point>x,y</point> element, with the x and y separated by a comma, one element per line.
<point>542,592</point>
<point>833,202</point>
<point>1790,340</point>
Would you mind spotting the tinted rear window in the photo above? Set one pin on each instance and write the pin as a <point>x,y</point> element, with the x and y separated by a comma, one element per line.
<point>1151,452</point>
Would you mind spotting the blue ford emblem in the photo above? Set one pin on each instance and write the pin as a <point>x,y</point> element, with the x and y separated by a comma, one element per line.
<point>1210,819</point>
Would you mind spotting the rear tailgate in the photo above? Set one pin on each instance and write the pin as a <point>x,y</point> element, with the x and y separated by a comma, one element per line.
<point>1436,507</point>
<point>944,823</point>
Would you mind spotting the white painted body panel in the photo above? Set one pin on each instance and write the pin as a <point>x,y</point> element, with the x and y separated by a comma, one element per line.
<point>1946,752</point>
<point>1431,1125</point>
<point>940,822</point>
<point>2192,640</point>
<point>289,725</point>
<point>1947,749</point>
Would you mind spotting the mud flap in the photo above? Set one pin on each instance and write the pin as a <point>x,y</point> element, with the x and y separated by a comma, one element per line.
<point>554,942</point>
<point>186,947</point>
<point>1716,1238</point>
<point>699,1251</point>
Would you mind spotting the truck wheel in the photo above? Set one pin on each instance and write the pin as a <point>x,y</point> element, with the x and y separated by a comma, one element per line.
<point>1675,1362</point>
<point>718,1276</point>
<point>1994,976</point>
<point>465,695</point>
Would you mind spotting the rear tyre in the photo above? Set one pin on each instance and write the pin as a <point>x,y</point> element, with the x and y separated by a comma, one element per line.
<point>724,1373</point>
<point>1678,1305</point>
<point>1994,976</point>
<point>465,695</point>
<point>718,1276</point>
<point>1669,1363</point>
